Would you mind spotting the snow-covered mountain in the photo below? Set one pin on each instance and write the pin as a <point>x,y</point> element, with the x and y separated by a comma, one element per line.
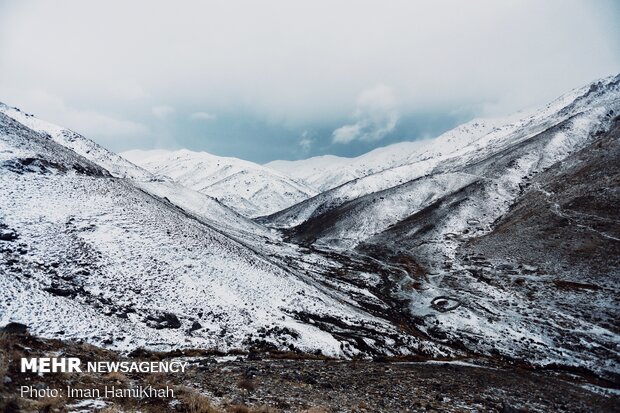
<point>329,171</point>
<point>479,272</point>
<point>115,164</point>
<point>438,167</point>
<point>88,255</point>
<point>248,188</point>
<point>539,280</point>
<point>208,208</point>
<point>496,241</point>
<point>321,172</point>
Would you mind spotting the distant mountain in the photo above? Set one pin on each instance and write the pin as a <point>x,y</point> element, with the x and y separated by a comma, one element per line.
<point>327,172</point>
<point>321,172</point>
<point>250,189</point>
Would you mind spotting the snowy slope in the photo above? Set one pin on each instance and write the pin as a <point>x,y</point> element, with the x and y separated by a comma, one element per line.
<point>327,172</point>
<point>90,256</point>
<point>248,188</point>
<point>201,205</point>
<point>501,175</point>
<point>465,145</point>
<point>539,281</point>
<point>115,164</point>
<point>525,297</point>
<point>386,167</point>
<point>321,172</point>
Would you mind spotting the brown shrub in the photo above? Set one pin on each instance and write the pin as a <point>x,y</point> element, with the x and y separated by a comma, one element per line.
<point>9,405</point>
<point>117,377</point>
<point>237,408</point>
<point>247,384</point>
<point>195,402</point>
<point>50,404</point>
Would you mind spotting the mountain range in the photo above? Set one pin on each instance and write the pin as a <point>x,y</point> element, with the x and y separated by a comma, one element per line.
<point>248,188</point>
<point>498,240</point>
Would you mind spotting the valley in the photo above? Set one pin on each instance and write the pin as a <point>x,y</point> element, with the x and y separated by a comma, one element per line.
<point>489,254</point>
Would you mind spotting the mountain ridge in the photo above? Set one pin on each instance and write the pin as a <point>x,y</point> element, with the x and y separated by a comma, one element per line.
<point>237,183</point>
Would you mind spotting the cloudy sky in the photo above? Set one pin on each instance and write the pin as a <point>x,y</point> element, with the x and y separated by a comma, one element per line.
<point>290,79</point>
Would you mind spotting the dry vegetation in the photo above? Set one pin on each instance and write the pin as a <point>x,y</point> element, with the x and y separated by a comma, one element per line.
<point>296,384</point>
<point>15,346</point>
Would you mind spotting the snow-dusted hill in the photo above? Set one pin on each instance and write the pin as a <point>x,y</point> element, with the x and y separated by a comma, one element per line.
<point>582,110</point>
<point>327,172</point>
<point>539,282</point>
<point>248,188</point>
<point>320,172</point>
<point>115,164</point>
<point>208,208</point>
<point>526,288</point>
<point>91,256</point>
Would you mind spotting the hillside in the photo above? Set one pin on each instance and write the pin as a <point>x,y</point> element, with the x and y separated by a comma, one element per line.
<point>328,172</point>
<point>87,255</point>
<point>246,187</point>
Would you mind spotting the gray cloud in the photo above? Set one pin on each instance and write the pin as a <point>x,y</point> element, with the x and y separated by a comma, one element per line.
<point>294,65</point>
<point>205,116</point>
<point>306,141</point>
<point>162,111</point>
<point>375,117</point>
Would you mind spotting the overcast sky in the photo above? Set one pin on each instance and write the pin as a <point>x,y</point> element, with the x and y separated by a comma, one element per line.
<point>289,79</point>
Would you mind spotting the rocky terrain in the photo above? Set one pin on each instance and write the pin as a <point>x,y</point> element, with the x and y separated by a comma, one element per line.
<point>279,382</point>
<point>508,249</point>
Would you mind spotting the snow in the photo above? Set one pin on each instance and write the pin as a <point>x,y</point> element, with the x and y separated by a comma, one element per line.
<point>250,189</point>
<point>149,258</point>
<point>86,406</point>
<point>130,245</point>
<point>448,154</point>
<point>206,208</point>
<point>114,163</point>
<point>123,254</point>
<point>327,172</point>
<point>453,189</point>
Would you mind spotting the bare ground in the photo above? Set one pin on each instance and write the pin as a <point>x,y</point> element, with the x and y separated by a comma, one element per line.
<point>292,383</point>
